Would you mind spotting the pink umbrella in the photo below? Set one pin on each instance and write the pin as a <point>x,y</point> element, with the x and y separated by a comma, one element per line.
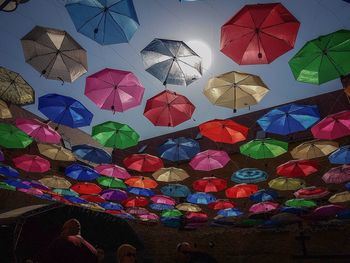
<point>209,160</point>
<point>138,211</point>
<point>32,163</point>
<point>332,127</point>
<point>337,175</point>
<point>263,207</point>
<point>114,90</point>
<point>163,199</point>
<point>112,170</point>
<point>38,130</point>
<point>150,216</point>
<point>31,191</point>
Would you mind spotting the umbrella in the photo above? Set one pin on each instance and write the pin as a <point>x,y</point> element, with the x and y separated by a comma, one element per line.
<point>178,149</point>
<point>249,175</point>
<point>149,217</point>
<point>168,109</point>
<point>32,163</point>
<point>8,171</point>
<point>64,110</point>
<point>112,170</point>
<point>235,90</point>
<point>175,190</point>
<point>209,184</point>
<point>81,172</point>
<point>289,118</point>
<point>75,200</point>
<point>263,195</point>
<point>187,207</point>
<point>263,207</point>
<point>209,160</point>
<point>37,185</point>
<point>161,207</point>
<point>241,190</point>
<point>300,203</point>
<point>163,199</point>
<point>314,149</point>
<point>93,198</point>
<point>297,168</point>
<point>38,130</point>
<point>119,18</point>
<point>201,198</point>
<point>195,217</point>
<point>110,182</point>
<point>287,184</point>
<point>17,183</point>
<point>114,90</point>
<point>172,62</point>
<point>333,127</point>
<point>12,137</point>
<point>111,206</point>
<point>141,182</point>
<point>114,195</point>
<point>143,162</point>
<point>115,135</point>
<point>170,174</point>
<point>55,182</point>
<point>140,191</point>
<point>56,152</point>
<point>91,154</point>
<point>2,156</point>
<point>54,54</point>
<point>340,156</point>
<point>221,204</point>
<point>65,192</point>
<point>258,34</point>
<point>337,175</point>
<point>326,211</point>
<point>31,191</point>
<point>229,212</point>
<point>135,201</point>
<point>5,112</point>
<point>14,89</point>
<point>311,192</point>
<point>226,131</point>
<point>172,213</point>
<point>264,148</point>
<point>86,188</point>
<point>322,59</point>
<point>340,197</point>
<point>6,186</point>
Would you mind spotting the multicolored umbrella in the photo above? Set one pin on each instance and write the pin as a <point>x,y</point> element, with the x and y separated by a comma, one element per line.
<point>188,207</point>
<point>312,192</point>
<point>56,152</point>
<point>114,195</point>
<point>337,175</point>
<point>221,204</point>
<point>5,112</point>
<point>141,182</point>
<point>86,188</point>
<point>31,163</point>
<point>340,156</point>
<point>201,198</point>
<point>287,184</point>
<point>314,149</point>
<point>112,170</point>
<point>55,182</point>
<point>289,118</point>
<point>229,212</point>
<point>163,199</point>
<point>135,201</point>
<point>258,34</point>
<point>143,162</point>
<point>170,174</point>
<point>241,190</point>
<point>8,171</point>
<point>91,154</point>
<point>178,149</point>
<point>263,195</point>
<point>300,203</point>
<point>175,190</point>
<point>249,175</point>
<point>263,207</point>
<point>264,148</point>
<point>12,137</point>
<point>110,182</point>
<point>209,184</point>
<point>114,90</point>
<point>172,62</point>
<point>81,172</point>
<point>140,191</point>
<point>209,160</point>
<point>340,197</point>
<point>297,168</point>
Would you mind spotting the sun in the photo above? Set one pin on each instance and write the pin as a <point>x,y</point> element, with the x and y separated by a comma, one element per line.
<point>203,50</point>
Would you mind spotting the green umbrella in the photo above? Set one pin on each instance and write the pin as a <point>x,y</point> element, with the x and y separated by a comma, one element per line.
<point>264,148</point>
<point>323,59</point>
<point>300,203</point>
<point>68,192</point>
<point>111,182</point>
<point>172,213</point>
<point>12,137</point>
<point>115,135</point>
<point>6,186</point>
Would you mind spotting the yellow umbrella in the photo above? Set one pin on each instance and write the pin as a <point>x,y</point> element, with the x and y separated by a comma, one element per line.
<point>170,174</point>
<point>314,149</point>
<point>340,197</point>
<point>92,206</point>
<point>235,90</point>
<point>5,112</point>
<point>188,207</point>
<point>56,152</point>
<point>287,184</point>
<point>55,182</point>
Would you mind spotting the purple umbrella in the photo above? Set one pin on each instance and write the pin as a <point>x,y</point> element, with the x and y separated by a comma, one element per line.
<point>326,211</point>
<point>37,185</point>
<point>337,175</point>
<point>114,195</point>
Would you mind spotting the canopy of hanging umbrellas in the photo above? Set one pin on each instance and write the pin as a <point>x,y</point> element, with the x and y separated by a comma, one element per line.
<point>154,188</point>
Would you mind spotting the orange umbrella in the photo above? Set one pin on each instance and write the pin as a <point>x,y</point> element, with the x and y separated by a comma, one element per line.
<point>141,182</point>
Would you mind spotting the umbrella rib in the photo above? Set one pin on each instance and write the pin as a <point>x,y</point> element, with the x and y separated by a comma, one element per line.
<point>5,90</point>
<point>183,73</point>
<point>186,64</point>
<point>41,55</point>
<point>118,26</point>
<point>88,20</point>
<point>78,62</point>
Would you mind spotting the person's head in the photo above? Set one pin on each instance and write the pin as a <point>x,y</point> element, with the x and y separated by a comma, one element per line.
<point>126,254</point>
<point>184,249</point>
<point>100,254</point>
<point>71,227</point>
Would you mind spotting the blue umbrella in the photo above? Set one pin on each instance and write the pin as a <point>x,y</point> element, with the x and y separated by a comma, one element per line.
<point>171,221</point>
<point>344,214</point>
<point>111,206</point>
<point>8,171</point>
<point>91,154</point>
<point>201,198</point>
<point>294,210</point>
<point>249,175</point>
<point>64,110</point>
<point>45,197</point>
<point>17,183</point>
<point>263,195</point>
<point>75,199</point>
<point>289,119</point>
<point>124,216</point>
<point>175,190</point>
<point>161,207</point>
<point>340,156</point>
<point>230,212</point>
<point>81,172</point>
<point>178,149</point>
<point>106,22</point>
<point>347,186</point>
<point>140,191</point>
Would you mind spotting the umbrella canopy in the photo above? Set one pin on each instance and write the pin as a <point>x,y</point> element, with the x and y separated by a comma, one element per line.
<point>65,192</point>
<point>175,190</point>
<point>241,190</point>
<point>229,212</point>
<point>300,203</point>
<point>55,182</point>
<point>289,118</point>
<point>115,135</point>
<point>322,59</point>
<point>258,34</point>
<point>172,62</point>
<point>201,198</point>
<point>249,175</point>
<point>263,195</point>
<point>161,207</point>
<point>135,201</point>
<point>32,163</point>
<point>340,197</point>
<point>163,199</point>
<point>54,54</point>
<point>311,192</point>
<point>264,148</point>
<point>209,160</point>
<point>38,130</point>
<point>287,184</point>
<point>143,162</point>
<point>64,110</point>
<point>12,137</point>
<point>340,156</point>
<point>112,206</point>
<point>188,207</point>
<point>56,152</point>
<point>172,213</point>
<point>294,210</point>
<point>221,204</point>
<point>119,18</point>
<point>170,174</point>
<point>337,175</point>
<point>6,186</point>
<point>178,149</point>
<point>168,109</point>
<point>114,195</point>
<point>235,90</point>
<point>334,126</point>
<point>141,182</point>
<point>112,170</point>
<point>140,191</point>
<point>114,90</point>
<point>86,188</point>
<point>17,183</point>
<point>209,184</point>
<point>14,89</point>
<point>263,207</point>
<point>314,149</point>
<point>226,131</point>
<point>93,198</point>
<point>81,172</point>
<point>110,182</point>
<point>91,154</point>
<point>5,112</point>
<point>326,211</point>
<point>8,171</point>
<point>297,168</point>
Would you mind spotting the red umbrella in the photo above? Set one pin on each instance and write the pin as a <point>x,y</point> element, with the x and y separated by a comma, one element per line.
<point>196,217</point>
<point>241,190</point>
<point>143,162</point>
<point>135,202</point>
<point>86,188</point>
<point>258,34</point>
<point>226,131</point>
<point>141,182</point>
<point>209,184</point>
<point>168,109</point>
<point>297,168</point>
<point>93,198</point>
<point>221,204</point>
<point>311,192</point>
<point>32,163</point>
